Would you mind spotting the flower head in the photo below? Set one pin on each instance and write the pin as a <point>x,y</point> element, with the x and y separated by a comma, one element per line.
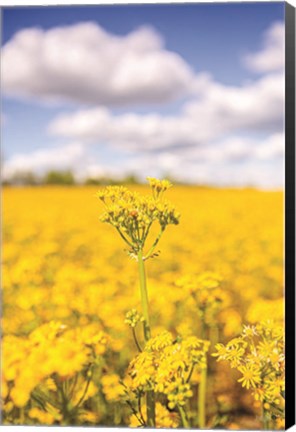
<point>133,215</point>
<point>251,375</point>
<point>132,318</point>
<point>166,365</point>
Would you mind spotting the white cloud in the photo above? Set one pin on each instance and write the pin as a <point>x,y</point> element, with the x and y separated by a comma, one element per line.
<point>85,64</point>
<point>252,173</point>
<point>218,112</point>
<point>231,162</point>
<point>236,149</point>
<point>257,106</point>
<point>64,157</point>
<point>272,56</point>
<point>226,135</point>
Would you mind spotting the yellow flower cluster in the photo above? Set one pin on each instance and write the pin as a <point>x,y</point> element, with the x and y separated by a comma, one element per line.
<point>51,350</point>
<point>133,215</point>
<point>178,392</point>
<point>132,318</point>
<point>158,186</point>
<point>258,354</point>
<point>166,365</point>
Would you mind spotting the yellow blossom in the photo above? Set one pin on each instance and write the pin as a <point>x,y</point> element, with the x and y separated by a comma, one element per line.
<point>251,376</point>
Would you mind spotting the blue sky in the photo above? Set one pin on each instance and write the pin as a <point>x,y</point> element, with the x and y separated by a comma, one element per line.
<point>194,91</point>
<point>206,35</point>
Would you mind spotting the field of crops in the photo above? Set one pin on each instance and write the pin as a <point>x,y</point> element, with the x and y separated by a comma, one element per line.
<point>74,351</point>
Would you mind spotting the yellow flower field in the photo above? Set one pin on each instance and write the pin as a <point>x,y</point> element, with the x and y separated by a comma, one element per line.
<point>72,312</point>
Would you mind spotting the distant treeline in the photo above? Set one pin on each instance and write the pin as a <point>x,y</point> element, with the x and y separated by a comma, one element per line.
<point>67,178</point>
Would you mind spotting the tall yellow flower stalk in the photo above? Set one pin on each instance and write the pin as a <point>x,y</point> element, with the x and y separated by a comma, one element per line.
<point>133,215</point>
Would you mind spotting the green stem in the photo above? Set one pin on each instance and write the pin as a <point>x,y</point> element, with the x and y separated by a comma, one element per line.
<point>214,335</point>
<point>150,396</point>
<point>184,420</point>
<point>45,398</point>
<point>65,411</point>
<point>140,410</point>
<point>134,411</point>
<point>202,399</point>
<point>71,392</point>
<point>136,340</point>
<point>265,418</point>
<point>155,243</point>
<point>203,330</point>
<point>88,380</point>
<point>190,373</point>
<point>144,296</point>
<point>145,233</point>
<point>22,416</point>
<point>150,401</point>
<point>123,237</point>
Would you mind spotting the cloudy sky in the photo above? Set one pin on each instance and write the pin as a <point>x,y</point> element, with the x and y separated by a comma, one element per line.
<point>193,91</point>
